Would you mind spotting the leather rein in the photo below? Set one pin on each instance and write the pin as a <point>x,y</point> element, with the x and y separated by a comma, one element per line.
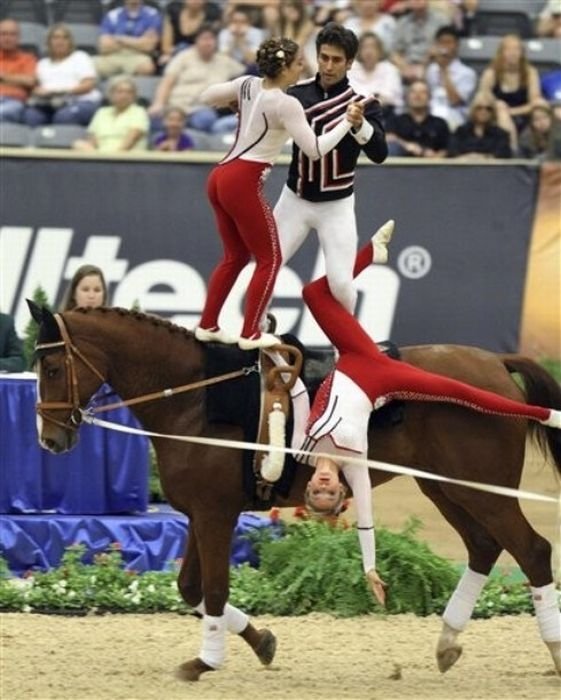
<point>72,403</point>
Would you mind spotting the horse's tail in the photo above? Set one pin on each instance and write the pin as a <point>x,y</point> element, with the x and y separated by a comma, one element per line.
<point>541,389</point>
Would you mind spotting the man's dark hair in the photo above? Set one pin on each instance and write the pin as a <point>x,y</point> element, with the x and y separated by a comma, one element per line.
<point>205,28</point>
<point>448,30</point>
<point>335,34</point>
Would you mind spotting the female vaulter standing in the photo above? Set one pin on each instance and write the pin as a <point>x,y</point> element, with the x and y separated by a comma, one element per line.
<point>268,116</point>
<point>363,380</point>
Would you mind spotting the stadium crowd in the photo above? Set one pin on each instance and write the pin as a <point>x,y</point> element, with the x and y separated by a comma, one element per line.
<point>130,73</point>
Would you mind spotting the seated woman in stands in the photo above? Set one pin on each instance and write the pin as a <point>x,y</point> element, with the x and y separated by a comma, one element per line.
<point>515,83</point>
<point>481,136</point>
<point>65,92</point>
<point>121,126</point>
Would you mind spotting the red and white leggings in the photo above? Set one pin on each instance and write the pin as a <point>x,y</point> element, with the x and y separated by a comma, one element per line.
<point>247,228</point>
<point>380,376</point>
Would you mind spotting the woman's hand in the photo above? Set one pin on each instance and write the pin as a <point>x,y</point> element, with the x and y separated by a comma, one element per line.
<point>377,586</point>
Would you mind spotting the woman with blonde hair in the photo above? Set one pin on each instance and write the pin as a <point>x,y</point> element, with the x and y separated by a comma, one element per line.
<point>481,136</point>
<point>515,83</point>
<point>65,91</point>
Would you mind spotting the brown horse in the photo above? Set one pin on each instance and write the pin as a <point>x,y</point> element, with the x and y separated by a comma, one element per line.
<point>138,354</point>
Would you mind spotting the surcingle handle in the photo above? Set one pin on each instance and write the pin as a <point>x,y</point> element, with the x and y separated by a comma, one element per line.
<point>286,374</point>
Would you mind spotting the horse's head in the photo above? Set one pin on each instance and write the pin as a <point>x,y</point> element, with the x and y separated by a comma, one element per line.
<point>66,379</point>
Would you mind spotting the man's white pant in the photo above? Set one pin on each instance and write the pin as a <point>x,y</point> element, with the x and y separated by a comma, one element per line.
<point>335,223</point>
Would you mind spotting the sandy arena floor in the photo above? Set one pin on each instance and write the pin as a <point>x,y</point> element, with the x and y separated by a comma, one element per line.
<point>318,657</point>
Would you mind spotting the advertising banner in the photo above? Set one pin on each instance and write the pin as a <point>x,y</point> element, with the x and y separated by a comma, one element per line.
<point>457,262</point>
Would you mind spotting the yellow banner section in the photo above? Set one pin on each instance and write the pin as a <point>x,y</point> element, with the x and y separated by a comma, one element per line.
<point>541,317</point>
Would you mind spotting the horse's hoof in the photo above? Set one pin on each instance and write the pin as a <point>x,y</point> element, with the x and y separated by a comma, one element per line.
<point>267,647</point>
<point>192,670</point>
<point>448,657</point>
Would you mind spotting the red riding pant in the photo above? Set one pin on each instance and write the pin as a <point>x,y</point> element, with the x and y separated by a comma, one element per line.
<point>247,228</point>
<point>378,375</point>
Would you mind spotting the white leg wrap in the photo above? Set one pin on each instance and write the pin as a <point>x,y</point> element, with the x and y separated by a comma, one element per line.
<point>236,620</point>
<point>460,606</point>
<point>546,605</point>
<point>213,650</point>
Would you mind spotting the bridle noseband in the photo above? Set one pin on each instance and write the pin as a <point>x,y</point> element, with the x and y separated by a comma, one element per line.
<point>72,402</point>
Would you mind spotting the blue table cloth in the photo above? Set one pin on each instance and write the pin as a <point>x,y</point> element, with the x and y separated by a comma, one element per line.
<point>106,473</point>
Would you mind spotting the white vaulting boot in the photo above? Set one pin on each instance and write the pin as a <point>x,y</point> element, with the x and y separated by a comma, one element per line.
<point>380,242</point>
<point>554,420</point>
<point>265,340</point>
<point>216,335</point>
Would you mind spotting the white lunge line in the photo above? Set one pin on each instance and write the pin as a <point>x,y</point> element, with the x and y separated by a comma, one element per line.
<point>372,464</point>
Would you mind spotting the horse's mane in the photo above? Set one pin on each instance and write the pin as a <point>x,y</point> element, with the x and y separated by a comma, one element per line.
<point>139,316</point>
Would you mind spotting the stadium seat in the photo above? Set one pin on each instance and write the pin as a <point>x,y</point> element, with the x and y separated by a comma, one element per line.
<point>492,23</point>
<point>544,53</point>
<point>85,36</point>
<point>79,11</point>
<point>33,37</point>
<point>26,10</point>
<point>530,7</point>
<point>58,135</point>
<point>15,135</point>
<point>201,139</point>
<point>146,86</point>
<point>478,51</point>
<point>221,142</point>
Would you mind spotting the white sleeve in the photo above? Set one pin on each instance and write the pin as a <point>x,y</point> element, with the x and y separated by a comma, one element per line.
<point>358,479</point>
<point>294,120</point>
<point>222,93</point>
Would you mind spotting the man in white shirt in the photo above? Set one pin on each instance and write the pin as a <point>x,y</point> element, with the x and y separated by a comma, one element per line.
<point>451,82</point>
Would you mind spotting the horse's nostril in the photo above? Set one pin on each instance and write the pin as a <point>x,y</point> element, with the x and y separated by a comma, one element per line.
<point>50,444</point>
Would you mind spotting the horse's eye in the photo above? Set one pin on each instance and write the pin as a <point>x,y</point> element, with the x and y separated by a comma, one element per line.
<point>52,372</point>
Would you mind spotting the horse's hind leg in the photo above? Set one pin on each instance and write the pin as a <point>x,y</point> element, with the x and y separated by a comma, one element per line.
<point>504,520</point>
<point>483,552</point>
<point>189,582</point>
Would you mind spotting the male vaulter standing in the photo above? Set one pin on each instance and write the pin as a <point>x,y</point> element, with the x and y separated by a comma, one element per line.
<point>320,195</point>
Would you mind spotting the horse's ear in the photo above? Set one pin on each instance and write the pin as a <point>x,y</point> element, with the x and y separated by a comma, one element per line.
<point>35,310</point>
<point>50,331</point>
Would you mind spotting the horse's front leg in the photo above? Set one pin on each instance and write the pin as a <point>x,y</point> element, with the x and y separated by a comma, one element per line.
<point>189,582</point>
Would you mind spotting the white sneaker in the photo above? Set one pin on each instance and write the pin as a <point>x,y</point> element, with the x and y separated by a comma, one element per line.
<point>214,336</point>
<point>554,420</point>
<point>380,242</point>
<point>265,340</point>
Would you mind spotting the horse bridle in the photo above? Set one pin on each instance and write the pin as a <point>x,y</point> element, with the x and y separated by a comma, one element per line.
<point>72,402</point>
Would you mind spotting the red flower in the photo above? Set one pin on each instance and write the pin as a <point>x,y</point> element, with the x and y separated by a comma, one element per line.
<point>301,512</point>
<point>116,546</point>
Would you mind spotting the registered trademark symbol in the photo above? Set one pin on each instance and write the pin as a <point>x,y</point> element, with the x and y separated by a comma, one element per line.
<point>414,262</point>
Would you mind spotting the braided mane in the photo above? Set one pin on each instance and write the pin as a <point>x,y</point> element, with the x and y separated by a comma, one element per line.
<point>140,316</point>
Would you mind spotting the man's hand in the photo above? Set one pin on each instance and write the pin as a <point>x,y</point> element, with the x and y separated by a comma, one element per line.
<point>355,114</point>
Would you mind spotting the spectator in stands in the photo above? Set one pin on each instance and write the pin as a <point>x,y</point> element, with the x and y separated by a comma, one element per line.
<point>239,40</point>
<point>481,137</point>
<point>551,85</point>
<point>17,73</point>
<point>414,35</point>
<point>417,132</point>
<point>121,126</point>
<point>295,23</point>
<point>373,74</point>
<point>186,76</point>
<point>264,14</point>
<point>368,17</point>
<point>515,83</point>
<point>549,22</point>
<point>451,82</point>
<point>173,138</point>
<point>12,358</point>
<point>129,37</point>
<point>182,21</point>
<point>331,11</point>
<point>535,139</point>
<point>463,16</point>
<point>87,288</point>
<point>396,8</point>
<point>65,91</point>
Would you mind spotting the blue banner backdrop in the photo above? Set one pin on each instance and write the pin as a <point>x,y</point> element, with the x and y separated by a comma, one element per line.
<point>456,273</point>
